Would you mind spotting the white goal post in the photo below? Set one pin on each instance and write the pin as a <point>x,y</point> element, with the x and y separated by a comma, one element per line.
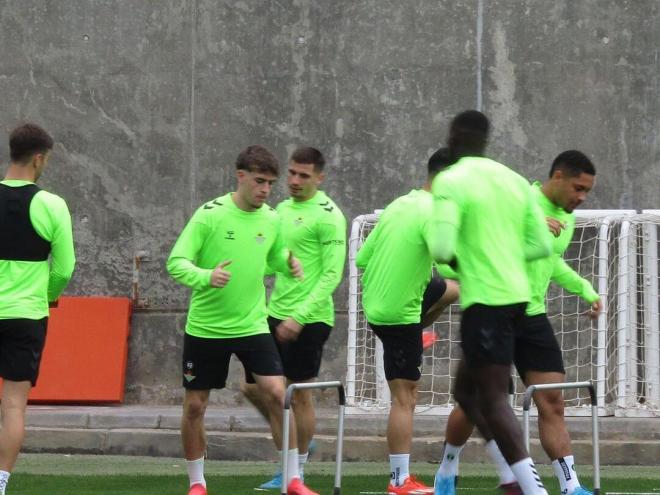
<point>617,250</point>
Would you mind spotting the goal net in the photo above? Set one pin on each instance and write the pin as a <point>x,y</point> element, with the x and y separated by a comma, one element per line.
<point>616,251</point>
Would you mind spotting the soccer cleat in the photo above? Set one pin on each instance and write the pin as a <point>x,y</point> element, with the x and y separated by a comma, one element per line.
<point>411,486</point>
<point>197,489</point>
<point>580,490</point>
<point>512,488</point>
<point>311,448</point>
<point>297,487</point>
<point>444,485</point>
<point>273,484</point>
<point>429,338</point>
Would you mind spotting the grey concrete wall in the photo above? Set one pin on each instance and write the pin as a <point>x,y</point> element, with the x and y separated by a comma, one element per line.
<point>150,102</point>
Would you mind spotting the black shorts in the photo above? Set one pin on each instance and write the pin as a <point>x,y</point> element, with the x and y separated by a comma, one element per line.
<point>402,350</point>
<point>488,333</point>
<point>536,347</point>
<point>21,346</point>
<point>301,359</point>
<point>206,361</point>
<point>434,291</point>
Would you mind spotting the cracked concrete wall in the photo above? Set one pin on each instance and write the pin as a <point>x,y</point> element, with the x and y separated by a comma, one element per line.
<point>150,102</point>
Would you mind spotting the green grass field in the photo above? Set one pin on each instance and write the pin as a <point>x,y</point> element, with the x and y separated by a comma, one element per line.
<point>50,474</point>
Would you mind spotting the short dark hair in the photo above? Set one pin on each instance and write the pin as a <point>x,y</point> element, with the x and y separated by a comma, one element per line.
<point>256,158</point>
<point>440,159</point>
<point>309,155</point>
<point>27,140</point>
<point>468,134</point>
<point>573,163</point>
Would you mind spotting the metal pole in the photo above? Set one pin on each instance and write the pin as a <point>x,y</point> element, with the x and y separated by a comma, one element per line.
<point>340,433</point>
<point>527,401</point>
<point>285,444</point>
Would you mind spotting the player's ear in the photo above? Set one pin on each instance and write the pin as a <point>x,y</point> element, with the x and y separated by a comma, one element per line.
<point>558,174</point>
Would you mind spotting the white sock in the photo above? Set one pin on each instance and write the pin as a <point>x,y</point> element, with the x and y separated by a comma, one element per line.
<point>4,479</point>
<point>399,465</point>
<point>503,469</point>
<point>196,471</point>
<point>528,478</point>
<point>292,466</point>
<point>565,471</point>
<point>302,459</point>
<point>449,465</point>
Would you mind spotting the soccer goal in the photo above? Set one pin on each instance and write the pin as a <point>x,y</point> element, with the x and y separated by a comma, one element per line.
<point>617,250</point>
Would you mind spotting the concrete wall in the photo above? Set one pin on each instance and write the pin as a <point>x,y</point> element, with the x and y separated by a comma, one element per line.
<point>150,102</point>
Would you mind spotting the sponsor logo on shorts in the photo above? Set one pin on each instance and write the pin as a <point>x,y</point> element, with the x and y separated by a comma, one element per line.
<point>188,373</point>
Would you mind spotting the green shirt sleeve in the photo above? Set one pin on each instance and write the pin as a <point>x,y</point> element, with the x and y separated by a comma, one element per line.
<point>52,220</point>
<point>446,271</point>
<point>367,249</point>
<point>444,230</point>
<point>565,276</point>
<point>181,263</point>
<point>278,256</point>
<point>332,237</point>
<point>537,237</point>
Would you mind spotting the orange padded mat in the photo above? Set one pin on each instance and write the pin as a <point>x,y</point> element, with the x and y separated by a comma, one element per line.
<point>86,351</point>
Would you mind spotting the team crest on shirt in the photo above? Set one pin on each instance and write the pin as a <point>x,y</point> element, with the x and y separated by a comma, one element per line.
<point>260,238</point>
<point>298,221</point>
<point>188,373</point>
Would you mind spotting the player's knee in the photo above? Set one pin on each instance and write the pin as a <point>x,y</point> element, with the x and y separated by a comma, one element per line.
<point>302,398</point>
<point>194,408</point>
<point>404,393</point>
<point>550,403</point>
<point>273,395</point>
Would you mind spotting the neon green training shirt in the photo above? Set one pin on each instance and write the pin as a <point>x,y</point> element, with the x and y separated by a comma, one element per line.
<point>220,231</point>
<point>486,215</point>
<point>397,262</point>
<point>315,232</point>
<point>26,287</point>
<point>541,272</point>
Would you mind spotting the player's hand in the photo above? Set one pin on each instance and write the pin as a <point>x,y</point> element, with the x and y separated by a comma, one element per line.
<point>555,226</point>
<point>288,330</point>
<point>295,267</point>
<point>220,277</point>
<point>596,308</point>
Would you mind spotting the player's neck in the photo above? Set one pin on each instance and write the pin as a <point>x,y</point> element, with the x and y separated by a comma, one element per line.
<point>240,203</point>
<point>306,198</point>
<point>19,172</point>
<point>548,192</point>
<point>426,187</point>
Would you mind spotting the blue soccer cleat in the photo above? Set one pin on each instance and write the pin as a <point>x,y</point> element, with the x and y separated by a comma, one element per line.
<point>311,448</point>
<point>444,485</point>
<point>273,484</point>
<point>580,490</point>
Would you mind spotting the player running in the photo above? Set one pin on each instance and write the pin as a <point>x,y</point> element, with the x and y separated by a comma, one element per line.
<point>35,226</point>
<point>302,312</point>
<point>537,355</point>
<point>487,219</point>
<point>222,255</point>
<point>400,297</point>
